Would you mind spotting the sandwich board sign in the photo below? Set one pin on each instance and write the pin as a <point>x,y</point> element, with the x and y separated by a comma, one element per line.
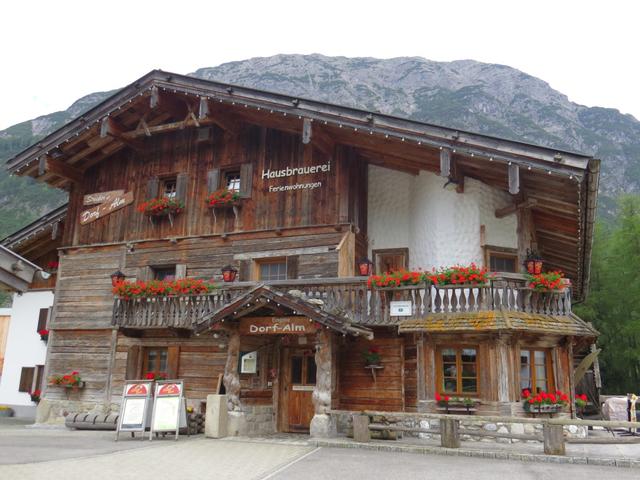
<point>169,408</point>
<point>135,407</point>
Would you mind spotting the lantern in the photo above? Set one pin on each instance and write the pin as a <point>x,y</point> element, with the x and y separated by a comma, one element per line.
<point>117,277</point>
<point>229,273</point>
<point>364,267</point>
<point>533,263</point>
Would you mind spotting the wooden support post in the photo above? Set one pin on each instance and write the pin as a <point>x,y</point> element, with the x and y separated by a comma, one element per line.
<point>322,424</point>
<point>553,439</point>
<point>445,162</point>
<point>231,376</point>
<point>503,370</point>
<point>361,431</point>
<point>449,433</point>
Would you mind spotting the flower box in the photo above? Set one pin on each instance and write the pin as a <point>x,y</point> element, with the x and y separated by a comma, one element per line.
<point>44,335</point>
<point>161,207</point>
<point>162,288</point>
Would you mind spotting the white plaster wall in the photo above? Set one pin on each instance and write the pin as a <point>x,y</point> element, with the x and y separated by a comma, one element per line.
<point>24,347</point>
<point>440,227</point>
<point>388,213</point>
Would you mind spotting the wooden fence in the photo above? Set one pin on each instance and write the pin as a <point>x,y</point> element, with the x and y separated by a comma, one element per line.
<point>552,437</point>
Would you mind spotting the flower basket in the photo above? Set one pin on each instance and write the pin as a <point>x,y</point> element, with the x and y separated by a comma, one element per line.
<point>161,207</point>
<point>70,380</point>
<point>547,282</point>
<point>153,376</point>
<point>44,335</point>
<point>224,199</point>
<point>543,402</point>
<point>35,396</point>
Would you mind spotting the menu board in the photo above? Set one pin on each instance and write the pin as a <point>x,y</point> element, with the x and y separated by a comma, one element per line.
<point>169,409</point>
<point>134,409</point>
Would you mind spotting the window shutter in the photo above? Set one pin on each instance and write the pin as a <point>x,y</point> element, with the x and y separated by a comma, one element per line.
<point>133,356</point>
<point>292,267</point>
<point>181,271</point>
<point>42,319</point>
<point>39,377</point>
<point>246,180</point>
<point>152,187</point>
<point>244,270</point>
<point>213,180</point>
<point>182,183</point>
<point>26,379</point>
<point>173,361</point>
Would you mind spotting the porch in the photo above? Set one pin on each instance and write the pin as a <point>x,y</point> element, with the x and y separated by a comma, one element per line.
<point>350,298</point>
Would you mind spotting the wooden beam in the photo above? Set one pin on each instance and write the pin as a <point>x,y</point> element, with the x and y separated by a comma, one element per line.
<point>306,131</point>
<point>111,128</point>
<point>503,212</point>
<point>154,100</point>
<point>56,167</point>
<point>210,113</point>
<point>445,162</point>
<point>514,179</point>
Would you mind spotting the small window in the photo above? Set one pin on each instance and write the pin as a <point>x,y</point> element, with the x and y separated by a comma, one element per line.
<point>390,260</point>
<point>500,259</point>
<point>458,370</point>
<point>164,273</point>
<point>26,379</point>
<point>232,180</point>
<point>155,360</point>
<point>169,187</point>
<point>536,370</point>
<point>311,370</point>
<point>273,270</point>
<point>42,319</point>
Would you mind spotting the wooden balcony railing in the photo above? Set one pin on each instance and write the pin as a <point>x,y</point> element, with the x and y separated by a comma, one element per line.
<point>350,297</point>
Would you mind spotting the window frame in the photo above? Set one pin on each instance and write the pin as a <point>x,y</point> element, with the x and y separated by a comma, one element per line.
<point>145,360</point>
<point>163,181</point>
<point>381,252</point>
<point>259,262</point>
<point>224,178</point>
<point>440,370</point>
<point>548,362</point>
<point>155,269</point>
<point>501,252</point>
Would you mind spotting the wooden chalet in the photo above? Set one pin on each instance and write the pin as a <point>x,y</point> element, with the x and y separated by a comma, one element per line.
<point>321,186</point>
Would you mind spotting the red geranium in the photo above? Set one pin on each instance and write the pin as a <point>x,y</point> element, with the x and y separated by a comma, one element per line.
<point>223,197</point>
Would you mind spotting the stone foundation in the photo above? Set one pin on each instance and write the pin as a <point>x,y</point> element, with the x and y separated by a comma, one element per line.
<point>253,420</point>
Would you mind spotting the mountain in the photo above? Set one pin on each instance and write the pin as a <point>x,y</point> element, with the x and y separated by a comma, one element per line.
<point>465,94</point>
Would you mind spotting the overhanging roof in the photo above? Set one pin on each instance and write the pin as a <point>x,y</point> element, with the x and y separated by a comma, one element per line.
<point>16,273</point>
<point>264,297</point>
<point>563,184</point>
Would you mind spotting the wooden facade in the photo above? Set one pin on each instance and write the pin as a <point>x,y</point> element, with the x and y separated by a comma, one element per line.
<point>177,134</point>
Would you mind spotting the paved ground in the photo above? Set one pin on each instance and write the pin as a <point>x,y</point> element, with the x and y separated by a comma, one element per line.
<point>355,464</point>
<point>27,453</point>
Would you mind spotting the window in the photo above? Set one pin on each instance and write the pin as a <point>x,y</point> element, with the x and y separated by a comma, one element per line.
<point>155,360</point>
<point>164,273</point>
<point>42,319</point>
<point>232,180</point>
<point>501,259</point>
<point>536,370</point>
<point>26,379</point>
<point>458,370</point>
<point>390,260</point>
<point>169,187</point>
<point>272,269</point>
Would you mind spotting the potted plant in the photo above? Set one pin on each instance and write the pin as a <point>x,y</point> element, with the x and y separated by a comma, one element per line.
<point>581,403</point>
<point>35,396</point>
<point>533,262</point>
<point>372,357</point>
<point>546,282</point>
<point>223,198</point>
<point>70,380</point>
<point>162,288</point>
<point>52,267</point>
<point>543,402</point>
<point>161,207</point>
<point>443,401</point>
<point>156,376</point>
<point>44,334</point>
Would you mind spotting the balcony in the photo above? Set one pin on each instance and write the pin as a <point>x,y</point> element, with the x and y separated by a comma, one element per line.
<point>351,299</point>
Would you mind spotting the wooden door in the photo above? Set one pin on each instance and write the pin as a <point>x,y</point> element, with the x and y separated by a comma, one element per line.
<point>299,382</point>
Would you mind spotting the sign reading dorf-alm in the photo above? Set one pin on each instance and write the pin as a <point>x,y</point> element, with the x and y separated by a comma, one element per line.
<point>276,326</point>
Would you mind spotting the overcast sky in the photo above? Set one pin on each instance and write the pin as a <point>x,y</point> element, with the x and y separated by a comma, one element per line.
<point>53,52</point>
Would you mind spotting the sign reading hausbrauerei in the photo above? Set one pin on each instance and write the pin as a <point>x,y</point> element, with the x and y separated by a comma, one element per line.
<point>269,174</point>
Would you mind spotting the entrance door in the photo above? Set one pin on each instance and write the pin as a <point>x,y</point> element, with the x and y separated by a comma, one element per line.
<point>298,389</point>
